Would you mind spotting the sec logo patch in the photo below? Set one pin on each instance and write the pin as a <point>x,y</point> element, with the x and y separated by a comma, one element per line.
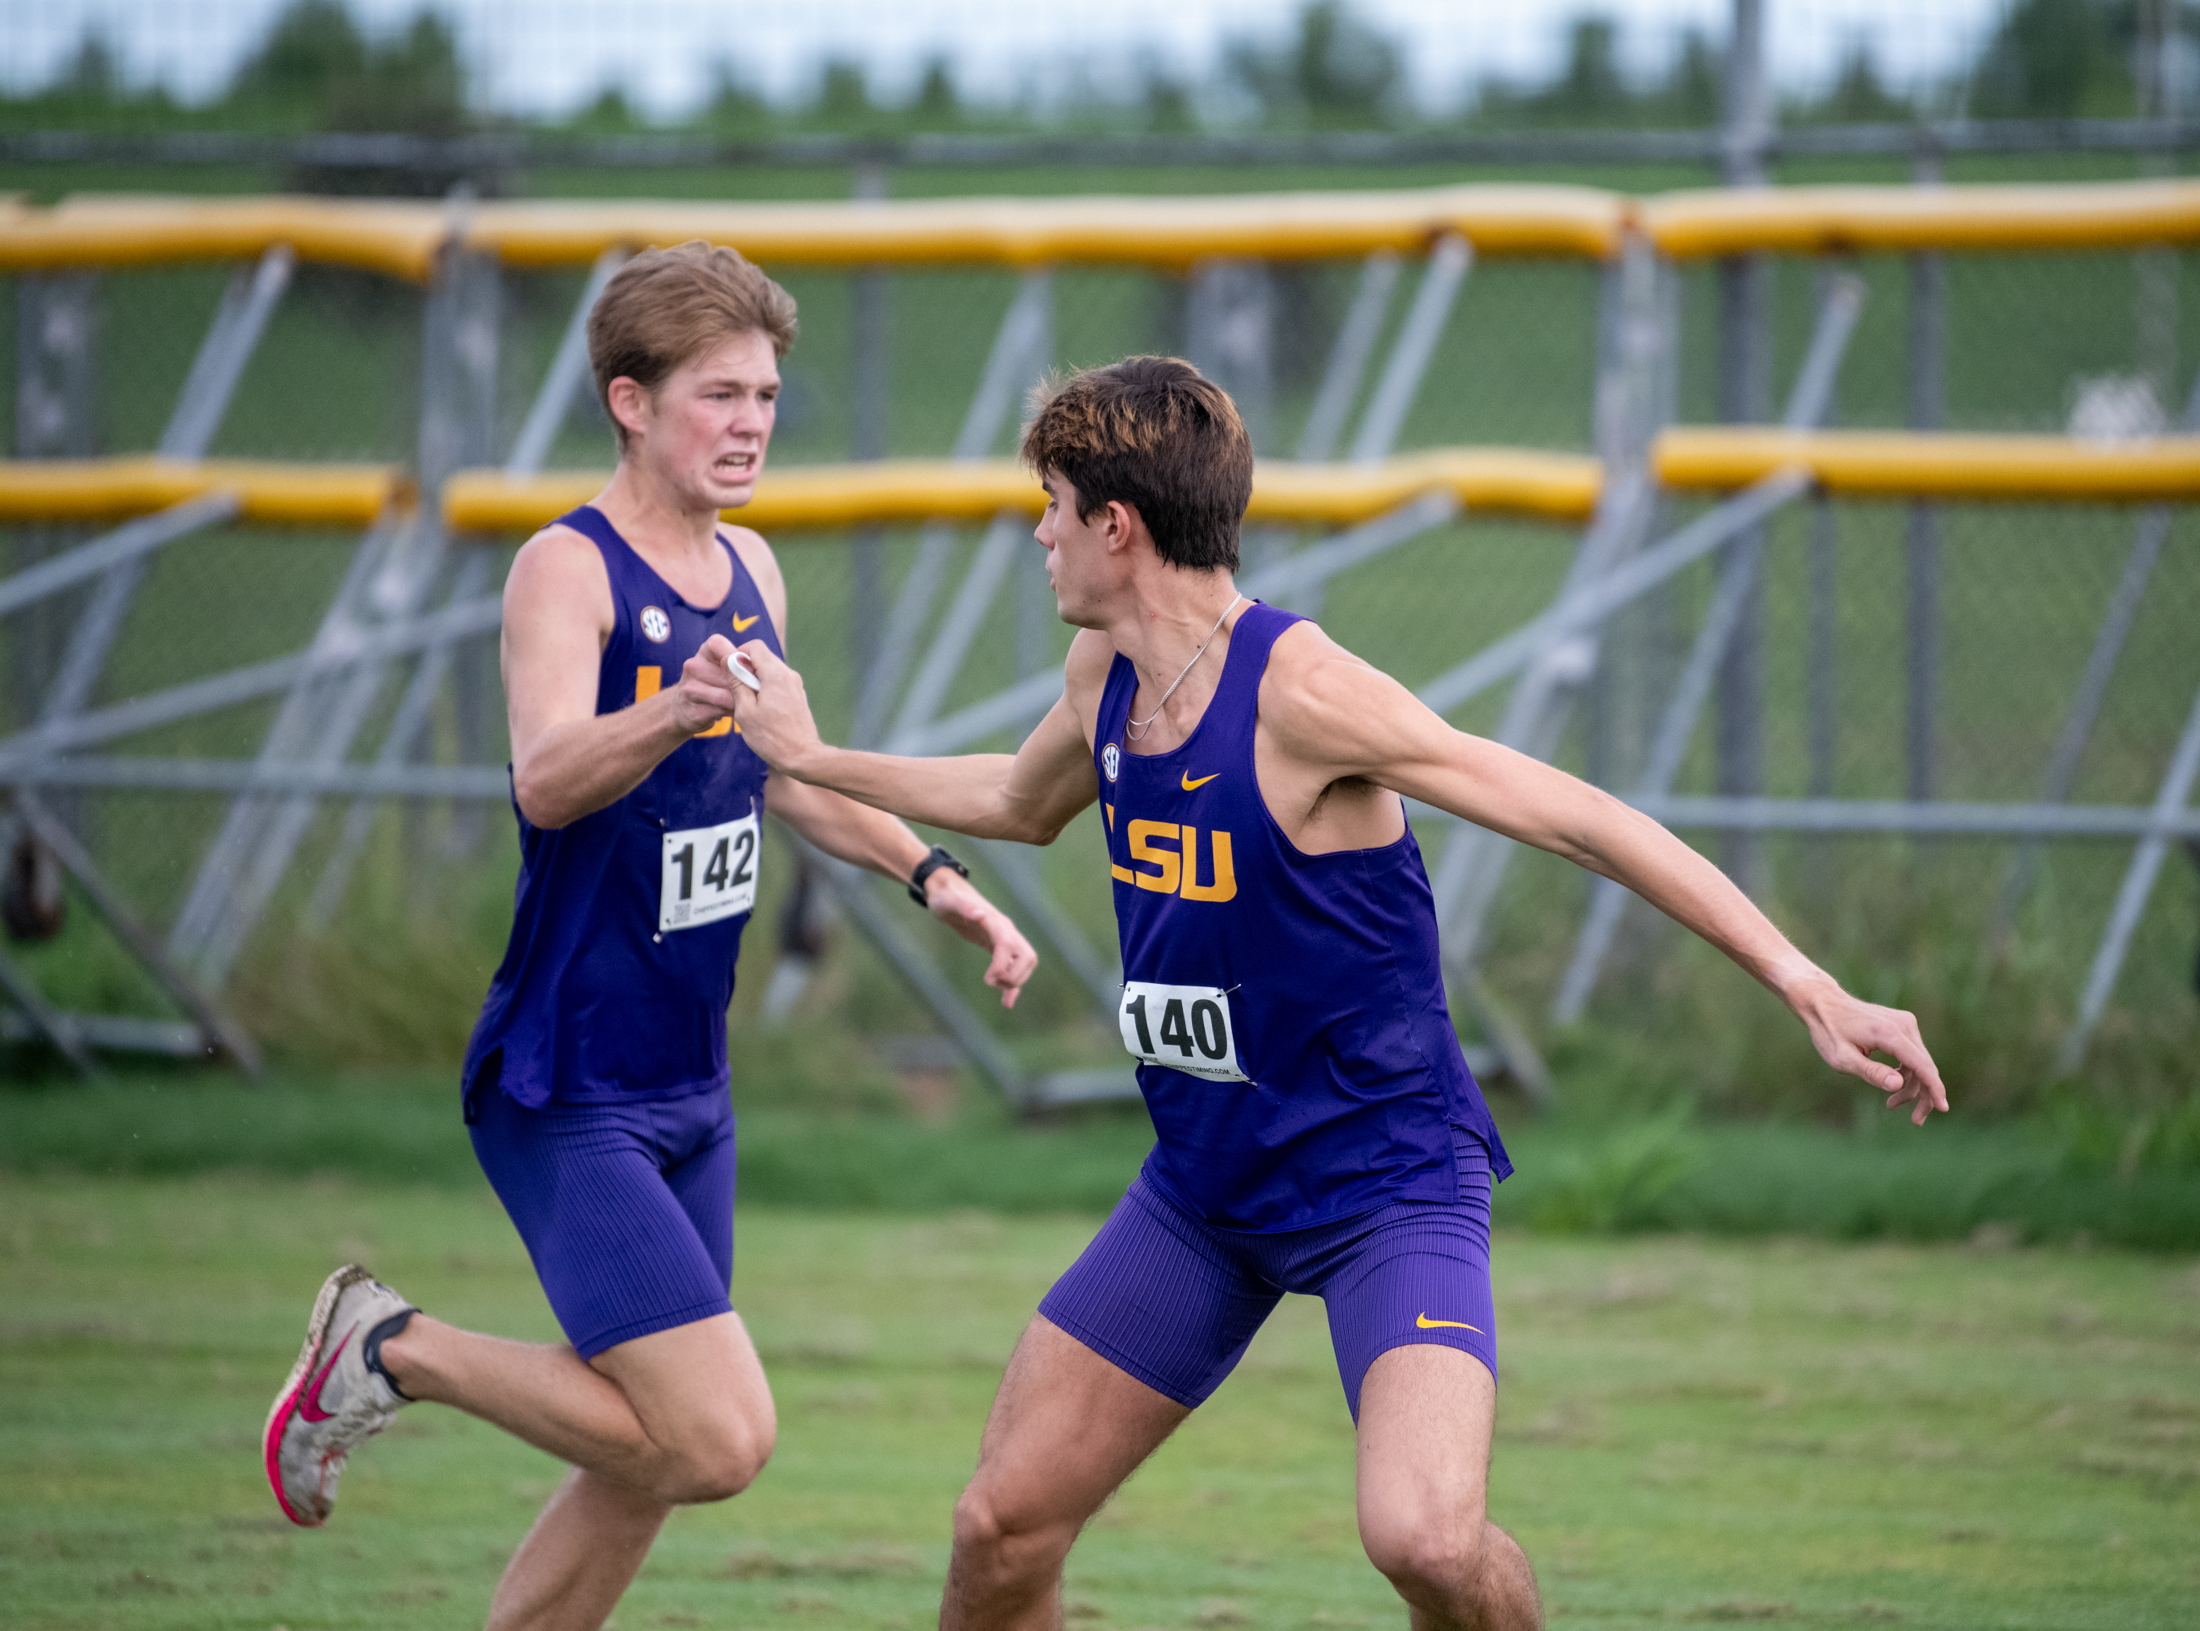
<point>656,624</point>
<point>1111,760</point>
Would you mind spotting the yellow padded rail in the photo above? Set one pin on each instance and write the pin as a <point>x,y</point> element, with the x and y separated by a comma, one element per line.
<point>1491,481</point>
<point>833,495</point>
<point>1835,220</point>
<point>1913,464</point>
<point>1549,486</point>
<point>1152,230</point>
<point>393,237</point>
<point>400,238</point>
<point>301,495</point>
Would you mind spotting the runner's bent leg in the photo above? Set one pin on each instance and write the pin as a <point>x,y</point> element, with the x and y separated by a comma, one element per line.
<point>1154,1313</point>
<point>1426,1415</point>
<point>1066,1429</point>
<point>683,1415</point>
<point>627,1212</point>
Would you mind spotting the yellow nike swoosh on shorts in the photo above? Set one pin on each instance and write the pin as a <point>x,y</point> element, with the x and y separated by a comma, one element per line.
<point>1427,1324</point>
<point>741,624</point>
<point>1191,786</point>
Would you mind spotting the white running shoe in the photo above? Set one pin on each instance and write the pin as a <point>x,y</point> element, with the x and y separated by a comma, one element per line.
<point>337,1396</point>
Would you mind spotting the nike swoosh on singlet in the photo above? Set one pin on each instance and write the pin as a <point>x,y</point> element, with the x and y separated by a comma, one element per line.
<point>741,624</point>
<point>310,1405</point>
<point>1191,786</point>
<point>1427,1324</point>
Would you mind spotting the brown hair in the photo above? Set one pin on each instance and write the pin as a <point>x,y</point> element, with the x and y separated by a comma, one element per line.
<point>666,305</point>
<point>1155,434</point>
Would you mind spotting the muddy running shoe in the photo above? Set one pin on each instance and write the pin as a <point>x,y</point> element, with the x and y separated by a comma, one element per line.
<point>338,1394</point>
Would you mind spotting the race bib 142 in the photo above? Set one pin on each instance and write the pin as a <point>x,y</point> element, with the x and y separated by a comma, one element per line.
<point>710,873</point>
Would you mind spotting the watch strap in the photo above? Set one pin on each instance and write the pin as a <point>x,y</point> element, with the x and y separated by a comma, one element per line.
<point>934,859</point>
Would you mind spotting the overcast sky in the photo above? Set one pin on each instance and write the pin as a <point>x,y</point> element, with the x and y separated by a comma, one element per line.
<point>546,56</point>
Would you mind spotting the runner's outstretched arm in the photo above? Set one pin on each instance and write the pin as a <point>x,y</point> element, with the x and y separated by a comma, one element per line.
<point>871,838</point>
<point>1027,797</point>
<point>840,826</point>
<point>1338,717</point>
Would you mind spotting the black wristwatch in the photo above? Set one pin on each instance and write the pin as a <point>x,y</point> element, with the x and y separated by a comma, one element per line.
<point>932,862</point>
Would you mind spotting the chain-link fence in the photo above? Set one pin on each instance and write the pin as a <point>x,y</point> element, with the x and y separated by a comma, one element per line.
<point>1957,654</point>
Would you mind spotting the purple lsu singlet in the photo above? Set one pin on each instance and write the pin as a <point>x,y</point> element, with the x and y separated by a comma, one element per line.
<point>1287,1010</point>
<point>627,922</point>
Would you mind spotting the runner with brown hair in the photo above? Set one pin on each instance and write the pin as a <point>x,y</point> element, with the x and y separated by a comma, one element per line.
<point>1318,1130</point>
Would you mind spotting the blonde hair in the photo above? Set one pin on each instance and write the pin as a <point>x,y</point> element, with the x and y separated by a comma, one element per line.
<point>666,306</point>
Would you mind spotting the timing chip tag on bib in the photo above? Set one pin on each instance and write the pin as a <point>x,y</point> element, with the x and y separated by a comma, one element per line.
<point>1185,1027</point>
<point>710,873</point>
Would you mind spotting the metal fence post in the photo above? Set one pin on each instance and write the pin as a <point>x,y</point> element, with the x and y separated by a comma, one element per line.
<point>869,432</point>
<point>1036,616</point>
<point>2131,898</point>
<point>1342,375</point>
<point>1928,410</point>
<point>239,322</point>
<point>2085,708</point>
<point>2160,78</point>
<point>1822,676</point>
<point>1398,386</point>
<point>1739,580</point>
<point>1229,335</point>
<point>562,385</point>
<point>476,690</point>
<point>392,573</point>
<point>1471,868</point>
<point>56,339</point>
<point>1025,328</point>
<point>1349,355</point>
<point>1632,362</point>
<point>1745,397</point>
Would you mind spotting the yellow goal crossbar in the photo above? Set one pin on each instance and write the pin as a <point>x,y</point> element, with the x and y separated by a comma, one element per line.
<point>401,239</point>
<point>1916,464</point>
<point>304,495</point>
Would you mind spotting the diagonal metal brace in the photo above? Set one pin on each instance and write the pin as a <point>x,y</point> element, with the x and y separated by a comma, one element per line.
<point>48,1021</point>
<point>126,543</point>
<point>214,1025</point>
<point>853,888</point>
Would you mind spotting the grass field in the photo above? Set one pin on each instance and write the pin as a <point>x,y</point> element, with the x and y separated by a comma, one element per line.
<point>1613,1166</point>
<point>1689,1430</point>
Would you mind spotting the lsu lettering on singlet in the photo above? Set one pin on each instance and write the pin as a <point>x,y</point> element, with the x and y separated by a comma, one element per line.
<point>627,923</point>
<point>1287,1010</point>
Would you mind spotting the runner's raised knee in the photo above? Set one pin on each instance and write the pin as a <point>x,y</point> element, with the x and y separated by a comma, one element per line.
<point>712,1464</point>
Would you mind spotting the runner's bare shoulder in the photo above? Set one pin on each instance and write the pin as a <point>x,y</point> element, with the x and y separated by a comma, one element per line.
<point>555,572</point>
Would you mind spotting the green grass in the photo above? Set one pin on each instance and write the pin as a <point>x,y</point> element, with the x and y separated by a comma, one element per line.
<point>1689,1429</point>
<point>829,1141</point>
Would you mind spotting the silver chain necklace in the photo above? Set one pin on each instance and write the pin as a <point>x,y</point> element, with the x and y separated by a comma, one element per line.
<point>1135,729</point>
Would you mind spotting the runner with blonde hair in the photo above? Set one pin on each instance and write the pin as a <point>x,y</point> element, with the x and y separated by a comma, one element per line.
<point>596,1085</point>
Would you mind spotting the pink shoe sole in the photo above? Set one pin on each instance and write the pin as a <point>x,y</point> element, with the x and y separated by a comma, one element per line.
<point>286,1402</point>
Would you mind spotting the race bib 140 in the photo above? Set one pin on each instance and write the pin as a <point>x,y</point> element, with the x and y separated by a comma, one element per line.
<point>1185,1027</point>
<point>710,873</point>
